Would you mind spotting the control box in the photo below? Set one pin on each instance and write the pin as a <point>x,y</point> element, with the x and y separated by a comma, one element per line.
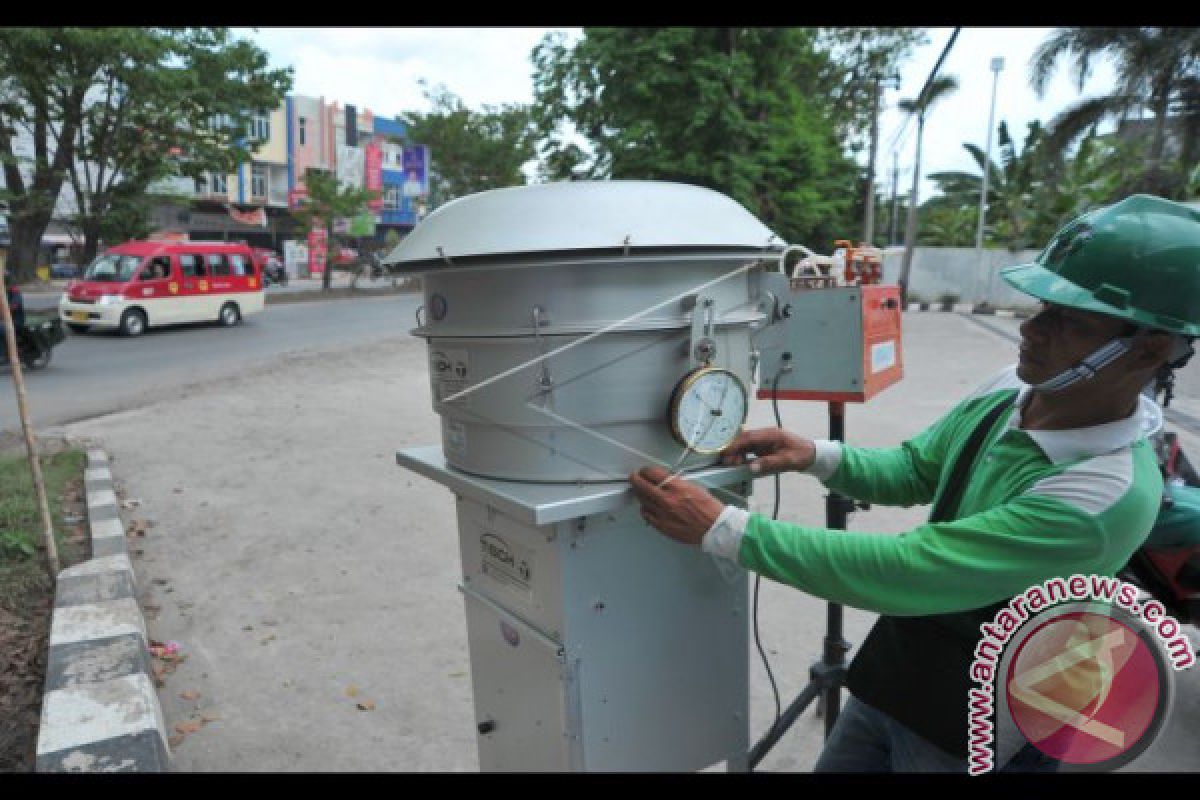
<point>828,342</point>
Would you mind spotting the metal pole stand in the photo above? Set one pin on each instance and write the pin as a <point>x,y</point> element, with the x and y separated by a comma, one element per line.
<point>827,676</point>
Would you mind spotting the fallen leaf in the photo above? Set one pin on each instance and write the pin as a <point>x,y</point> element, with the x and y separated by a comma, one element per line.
<point>189,695</point>
<point>175,740</point>
<point>188,727</point>
<point>352,691</point>
<point>206,717</point>
<point>366,705</point>
<point>268,638</point>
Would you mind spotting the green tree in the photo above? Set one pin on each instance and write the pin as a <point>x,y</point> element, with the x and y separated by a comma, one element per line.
<point>472,150</point>
<point>112,110</point>
<point>325,201</point>
<point>744,111</point>
<point>1158,69</point>
<point>1015,186</point>
<point>947,224</point>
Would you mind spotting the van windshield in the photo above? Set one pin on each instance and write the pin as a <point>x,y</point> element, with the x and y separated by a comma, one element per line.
<point>112,268</point>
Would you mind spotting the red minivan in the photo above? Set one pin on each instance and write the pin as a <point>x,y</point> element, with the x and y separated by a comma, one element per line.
<point>138,284</point>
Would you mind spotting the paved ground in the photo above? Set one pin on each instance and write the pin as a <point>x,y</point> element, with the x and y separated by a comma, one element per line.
<point>304,574</point>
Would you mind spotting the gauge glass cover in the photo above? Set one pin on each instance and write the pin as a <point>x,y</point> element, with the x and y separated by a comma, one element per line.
<point>708,408</point>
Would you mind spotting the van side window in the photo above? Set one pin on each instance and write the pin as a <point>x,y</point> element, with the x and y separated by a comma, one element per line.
<point>192,266</point>
<point>157,269</point>
<point>239,264</point>
<point>217,265</point>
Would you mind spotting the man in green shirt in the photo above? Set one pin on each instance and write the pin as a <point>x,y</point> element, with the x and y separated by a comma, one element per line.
<point>1064,483</point>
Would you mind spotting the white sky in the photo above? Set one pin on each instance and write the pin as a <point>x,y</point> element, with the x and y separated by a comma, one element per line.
<point>379,67</point>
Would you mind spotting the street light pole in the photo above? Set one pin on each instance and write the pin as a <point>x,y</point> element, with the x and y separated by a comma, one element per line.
<point>996,65</point>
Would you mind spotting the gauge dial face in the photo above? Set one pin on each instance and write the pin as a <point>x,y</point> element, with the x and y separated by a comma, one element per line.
<point>708,408</point>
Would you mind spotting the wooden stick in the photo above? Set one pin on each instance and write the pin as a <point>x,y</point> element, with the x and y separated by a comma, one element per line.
<point>35,467</point>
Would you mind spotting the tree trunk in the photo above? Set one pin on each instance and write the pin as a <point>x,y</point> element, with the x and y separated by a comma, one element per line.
<point>91,243</point>
<point>910,229</point>
<point>26,237</point>
<point>1161,110</point>
<point>330,249</point>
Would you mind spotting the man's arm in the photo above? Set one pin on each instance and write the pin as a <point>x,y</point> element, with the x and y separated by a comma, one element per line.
<point>942,567</point>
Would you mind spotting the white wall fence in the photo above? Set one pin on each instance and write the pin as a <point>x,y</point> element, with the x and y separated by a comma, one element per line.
<point>959,270</point>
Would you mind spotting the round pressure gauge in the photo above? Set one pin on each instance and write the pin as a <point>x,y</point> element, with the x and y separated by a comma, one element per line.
<point>707,409</point>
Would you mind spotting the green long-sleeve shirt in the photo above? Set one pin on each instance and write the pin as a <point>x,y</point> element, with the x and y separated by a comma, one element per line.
<point>1037,504</point>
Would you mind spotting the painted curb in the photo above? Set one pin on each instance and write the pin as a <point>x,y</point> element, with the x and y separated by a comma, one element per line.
<point>100,711</point>
<point>967,308</point>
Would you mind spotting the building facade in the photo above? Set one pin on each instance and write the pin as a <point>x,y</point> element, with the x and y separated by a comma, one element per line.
<point>252,204</point>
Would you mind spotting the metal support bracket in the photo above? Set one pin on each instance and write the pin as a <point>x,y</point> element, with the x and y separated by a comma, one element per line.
<point>702,344</point>
<point>545,383</point>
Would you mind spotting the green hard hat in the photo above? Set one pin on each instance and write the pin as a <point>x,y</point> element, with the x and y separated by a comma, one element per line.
<point>1138,260</point>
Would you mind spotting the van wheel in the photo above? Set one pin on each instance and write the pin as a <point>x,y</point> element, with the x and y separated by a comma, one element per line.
<point>230,315</point>
<point>78,328</point>
<point>133,323</point>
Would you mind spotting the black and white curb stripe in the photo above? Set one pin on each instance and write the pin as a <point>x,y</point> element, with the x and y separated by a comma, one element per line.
<point>967,308</point>
<point>100,712</point>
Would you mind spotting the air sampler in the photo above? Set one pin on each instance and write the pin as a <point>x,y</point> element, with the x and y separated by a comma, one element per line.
<point>577,332</point>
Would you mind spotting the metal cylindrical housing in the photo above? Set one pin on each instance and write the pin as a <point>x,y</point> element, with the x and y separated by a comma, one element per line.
<point>558,365</point>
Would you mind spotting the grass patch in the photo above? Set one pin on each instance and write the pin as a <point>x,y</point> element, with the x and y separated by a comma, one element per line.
<point>22,561</point>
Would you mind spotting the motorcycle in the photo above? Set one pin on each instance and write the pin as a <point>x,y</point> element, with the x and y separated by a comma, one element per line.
<point>274,272</point>
<point>1167,565</point>
<point>36,339</point>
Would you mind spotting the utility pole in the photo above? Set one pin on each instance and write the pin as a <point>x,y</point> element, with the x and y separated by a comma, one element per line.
<point>910,231</point>
<point>996,65</point>
<point>892,216</point>
<point>869,225</point>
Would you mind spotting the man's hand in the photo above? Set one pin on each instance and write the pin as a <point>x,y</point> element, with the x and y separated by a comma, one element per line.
<point>776,451</point>
<point>681,509</point>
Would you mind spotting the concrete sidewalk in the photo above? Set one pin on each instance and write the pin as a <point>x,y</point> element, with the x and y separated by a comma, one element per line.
<point>312,583</point>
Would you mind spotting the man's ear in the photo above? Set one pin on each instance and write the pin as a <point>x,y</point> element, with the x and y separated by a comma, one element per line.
<point>1152,350</point>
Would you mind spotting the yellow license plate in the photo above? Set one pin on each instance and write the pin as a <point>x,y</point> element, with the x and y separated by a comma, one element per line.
<point>81,316</point>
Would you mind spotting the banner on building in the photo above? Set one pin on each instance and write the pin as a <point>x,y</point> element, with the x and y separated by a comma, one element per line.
<point>350,167</point>
<point>295,257</point>
<point>297,196</point>
<point>415,162</point>
<point>373,159</point>
<point>318,248</point>
<point>256,217</point>
<point>363,225</point>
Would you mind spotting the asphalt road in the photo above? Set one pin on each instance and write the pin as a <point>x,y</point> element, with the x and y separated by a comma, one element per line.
<point>99,373</point>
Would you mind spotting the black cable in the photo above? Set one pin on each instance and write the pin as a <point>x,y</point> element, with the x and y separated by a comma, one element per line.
<point>758,578</point>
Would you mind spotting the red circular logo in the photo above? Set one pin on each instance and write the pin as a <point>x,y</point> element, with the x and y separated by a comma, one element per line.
<point>1086,689</point>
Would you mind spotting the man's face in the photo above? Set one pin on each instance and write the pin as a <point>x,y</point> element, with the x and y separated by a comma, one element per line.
<point>1058,338</point>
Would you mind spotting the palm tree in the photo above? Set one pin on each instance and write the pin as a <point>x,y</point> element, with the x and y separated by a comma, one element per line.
<point>1158,69</point>
<point>1014,184</point>
<point>919,106</point>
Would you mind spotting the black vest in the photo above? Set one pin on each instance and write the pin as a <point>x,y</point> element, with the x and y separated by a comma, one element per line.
<point>916,669</point>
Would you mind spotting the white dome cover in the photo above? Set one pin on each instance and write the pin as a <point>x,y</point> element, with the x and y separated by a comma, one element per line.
<point>583,215</point>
